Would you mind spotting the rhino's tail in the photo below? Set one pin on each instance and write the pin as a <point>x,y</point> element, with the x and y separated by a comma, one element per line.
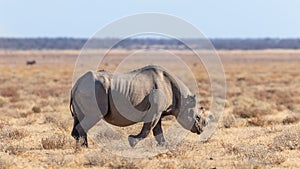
<point>72,102</point>
<point>71,107</point>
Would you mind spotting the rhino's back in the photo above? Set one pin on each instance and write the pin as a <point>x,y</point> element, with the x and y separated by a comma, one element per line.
<point>137,84</point>
<point>130,94</point>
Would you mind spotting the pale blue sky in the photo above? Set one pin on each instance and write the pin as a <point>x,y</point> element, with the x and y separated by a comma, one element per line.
<point>215,18</point>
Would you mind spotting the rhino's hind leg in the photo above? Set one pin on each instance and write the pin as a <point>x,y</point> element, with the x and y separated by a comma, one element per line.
<point>79,134</point>
<point>158,133</point>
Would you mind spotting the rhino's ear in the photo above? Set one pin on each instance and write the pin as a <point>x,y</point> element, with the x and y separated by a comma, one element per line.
<point>191,97</point>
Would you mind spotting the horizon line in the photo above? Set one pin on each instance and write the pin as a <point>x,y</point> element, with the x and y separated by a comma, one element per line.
<point>211,38</point>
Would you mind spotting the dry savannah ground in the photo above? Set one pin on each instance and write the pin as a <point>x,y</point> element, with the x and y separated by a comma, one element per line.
<point>259,128</point>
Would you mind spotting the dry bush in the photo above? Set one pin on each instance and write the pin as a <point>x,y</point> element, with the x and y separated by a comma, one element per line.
<point>11,150</point>
<point>47,92</point>
<point>57,161</point>
<point>290,140</point>
<point>18,105</point>
<point>255,154</point>
<point>284,117</point>
<point>43,93</point>
<point>279,96</point>
<point>2,124</point>
<point>94,159</point>
<point>290,119</point>
<point>14,149</point>
<point>56,141</point>
<point>229,148</point>
<point>227,120</point>
<point>246,107</point>
<point>61,124</point>
<point>260,121</point>
<point>12,133</point>
<point>9,92</point>
<point>36,109</point>
<point>2,102</point>
<point>25,114</point>
<point>258,154</point>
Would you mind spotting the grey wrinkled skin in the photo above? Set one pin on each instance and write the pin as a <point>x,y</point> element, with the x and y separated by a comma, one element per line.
<point>143,95</point>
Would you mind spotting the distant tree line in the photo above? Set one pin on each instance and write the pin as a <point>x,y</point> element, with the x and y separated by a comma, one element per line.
<point>147,43</point>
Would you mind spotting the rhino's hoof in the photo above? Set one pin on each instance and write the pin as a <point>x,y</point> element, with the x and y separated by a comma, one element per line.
<point>132,141</point>
<point>83,142</point>
<point>162,144</point>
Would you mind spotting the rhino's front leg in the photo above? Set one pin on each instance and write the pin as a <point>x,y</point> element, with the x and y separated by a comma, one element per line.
<point>158,133</point>
<point>151,119</point>
<point>134,139</point>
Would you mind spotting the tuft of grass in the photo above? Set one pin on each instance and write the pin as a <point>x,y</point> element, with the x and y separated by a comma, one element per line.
<point>13,134</point>
<point>55,141</point>
<point>227,120</point>
<point>36,109</point>
<point>290,120</point>
<point>256,121</point>
<point>63,125</point>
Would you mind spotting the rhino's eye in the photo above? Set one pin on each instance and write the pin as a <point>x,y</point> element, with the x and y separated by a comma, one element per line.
<point>197,118</point>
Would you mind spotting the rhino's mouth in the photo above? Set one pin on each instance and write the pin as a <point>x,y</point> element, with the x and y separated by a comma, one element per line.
<point>199,128</point>
<point>200,123</point>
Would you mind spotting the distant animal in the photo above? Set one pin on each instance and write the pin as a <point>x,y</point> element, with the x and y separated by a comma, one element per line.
<point>31,62</point>
<point>123,99</point>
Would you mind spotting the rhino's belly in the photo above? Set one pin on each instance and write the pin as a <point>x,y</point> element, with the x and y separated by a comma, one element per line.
<point>124,115</point>
<point>122,112</point>
<point>115,118</point>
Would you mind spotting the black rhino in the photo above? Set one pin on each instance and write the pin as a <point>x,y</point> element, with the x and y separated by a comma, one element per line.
<point>122,99</point>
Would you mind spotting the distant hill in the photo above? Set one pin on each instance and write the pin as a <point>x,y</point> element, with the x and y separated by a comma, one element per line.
<point>73,43</point>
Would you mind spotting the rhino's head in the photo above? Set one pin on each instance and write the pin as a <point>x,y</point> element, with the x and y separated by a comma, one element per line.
<point>195,117</point>
<point>200,122</point>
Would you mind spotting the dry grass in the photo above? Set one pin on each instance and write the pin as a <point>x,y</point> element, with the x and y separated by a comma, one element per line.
<point>289,140</point>
<point>259,128</point>
<point>5,161</point>
<point>56,141</point>
<point>12,134</point>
